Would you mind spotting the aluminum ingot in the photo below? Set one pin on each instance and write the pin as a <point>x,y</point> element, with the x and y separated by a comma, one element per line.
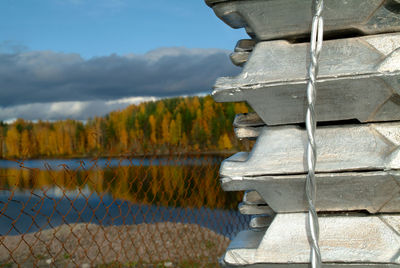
<point>359,78</point>
<point>287,19</point>
<point>242,52</point>
<point>247,209</point>
<point>253,198</point>
<point>247,126</point>
<point>250,133</point>
<point>375,192</point>
<point>280,150</point>
<point>248,120</point>
<point>345,241</point>
<point>239,58</point>
<point>245,45</point>
<point>260,222</point>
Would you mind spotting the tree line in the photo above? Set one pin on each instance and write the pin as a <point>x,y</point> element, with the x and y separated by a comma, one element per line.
<point>173,125</point>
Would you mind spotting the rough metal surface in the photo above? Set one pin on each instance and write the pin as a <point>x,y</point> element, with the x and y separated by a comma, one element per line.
<point>358,79</point>
<point>253,198</point>
<point>280,150</point>
<point>247,120</point>
<point>279,19</point>
<point>242,51</point>
<point>245,45</point>
<point>260,222</point>
<point>375,242</point>
<point>239,58</point>
<point>247,209</point>
<point>250,133</point>
<point>213,2</point>
<point>375,192</point>
<point>307,265</point>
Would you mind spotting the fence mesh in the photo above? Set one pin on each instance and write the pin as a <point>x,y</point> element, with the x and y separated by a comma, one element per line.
<point>138,212</point>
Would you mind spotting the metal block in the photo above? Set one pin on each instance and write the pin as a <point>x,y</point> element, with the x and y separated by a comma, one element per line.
<point>242,52</point>
<point>280,150</point>
<point>245,45</point>
<point>247,209</point>
<point>260,222</point>
<point>248,126</point>
<point>359,78</point>
<point>213,2</point>
<point>304,265</point>
<point>253,198</point>
<point>247,120</point>
<point>239,58</point>
<point>375,192</point>
<point>239,157</point>
<point>282,19</point>
<point>345,241</point>
<point>250,133</point>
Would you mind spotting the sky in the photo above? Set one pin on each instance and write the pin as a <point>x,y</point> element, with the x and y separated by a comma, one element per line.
<point>82,58</point>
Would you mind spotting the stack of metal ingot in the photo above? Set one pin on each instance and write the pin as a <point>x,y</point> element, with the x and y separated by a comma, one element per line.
<point>358,136</point>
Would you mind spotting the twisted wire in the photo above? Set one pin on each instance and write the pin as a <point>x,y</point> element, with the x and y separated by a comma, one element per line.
<point>311,122</point>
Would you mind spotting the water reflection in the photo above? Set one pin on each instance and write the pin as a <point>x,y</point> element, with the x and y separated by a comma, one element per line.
<point>57,164</point>
<point>114,192</point>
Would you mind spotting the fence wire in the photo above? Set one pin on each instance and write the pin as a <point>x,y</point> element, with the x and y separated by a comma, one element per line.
<point>135,212</point>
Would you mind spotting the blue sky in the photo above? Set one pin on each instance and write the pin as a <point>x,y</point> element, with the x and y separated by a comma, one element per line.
<point>103,27</point>
<point>82,58</point>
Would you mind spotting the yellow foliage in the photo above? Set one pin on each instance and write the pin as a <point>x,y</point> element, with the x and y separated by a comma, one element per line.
<point>241,107</point>
<point>13,139</point>
<point>153,137</point>
<point>224,142</point>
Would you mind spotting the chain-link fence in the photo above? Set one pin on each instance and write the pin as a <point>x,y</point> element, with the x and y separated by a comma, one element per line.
<point>138,212</point>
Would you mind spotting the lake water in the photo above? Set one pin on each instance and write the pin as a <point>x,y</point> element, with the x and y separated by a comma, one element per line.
<point>57,164</point>
<point>41,194</point>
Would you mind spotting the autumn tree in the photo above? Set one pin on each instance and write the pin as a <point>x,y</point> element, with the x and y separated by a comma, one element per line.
<point>13,142</point>
<point>182,124</point>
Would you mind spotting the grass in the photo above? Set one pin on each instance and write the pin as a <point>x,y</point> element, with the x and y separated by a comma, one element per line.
<point>67,256</point>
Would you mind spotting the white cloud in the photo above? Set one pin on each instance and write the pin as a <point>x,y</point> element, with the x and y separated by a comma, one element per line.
<point>131,100</point>
<point>79,110</point>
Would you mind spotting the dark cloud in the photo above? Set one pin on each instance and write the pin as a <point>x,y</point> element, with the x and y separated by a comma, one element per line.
<point>44,77</point>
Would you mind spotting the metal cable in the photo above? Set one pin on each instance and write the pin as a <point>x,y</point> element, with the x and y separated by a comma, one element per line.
<point>311,122</point>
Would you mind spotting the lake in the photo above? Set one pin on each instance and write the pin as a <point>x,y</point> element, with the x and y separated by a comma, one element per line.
<point>41,194</point>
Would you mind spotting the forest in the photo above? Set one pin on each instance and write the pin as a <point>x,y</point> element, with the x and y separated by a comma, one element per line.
<point>180,125</point>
